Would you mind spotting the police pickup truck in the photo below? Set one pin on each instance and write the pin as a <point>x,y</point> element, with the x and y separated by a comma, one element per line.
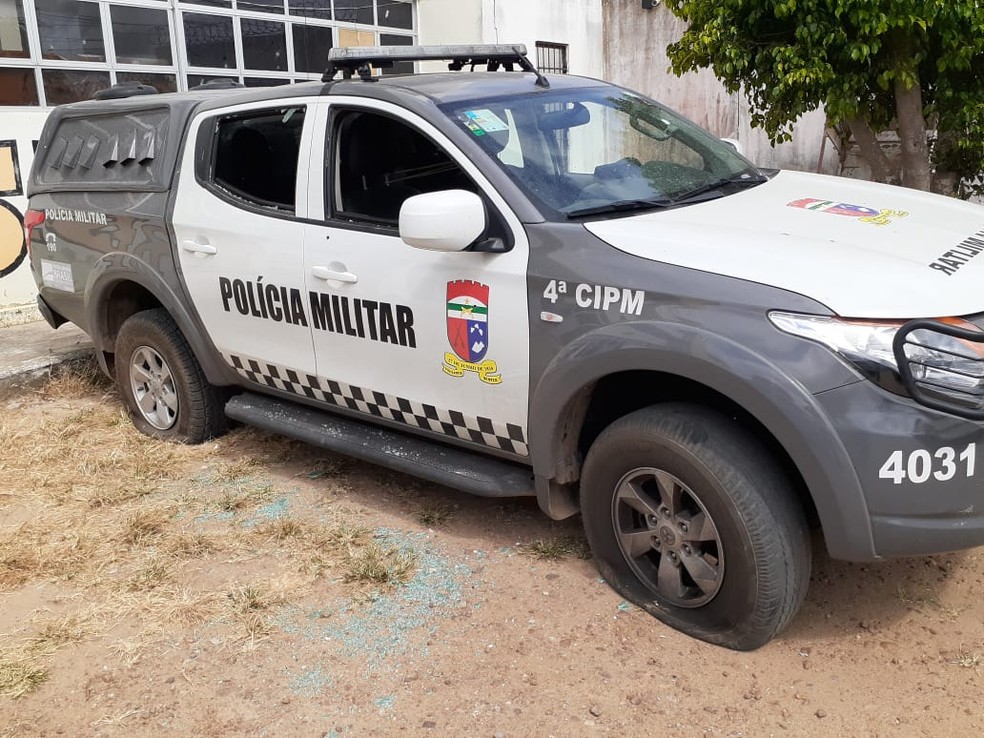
<point>519,285</point>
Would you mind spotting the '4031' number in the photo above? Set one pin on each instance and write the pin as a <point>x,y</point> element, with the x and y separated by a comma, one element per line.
<point>942,465</point>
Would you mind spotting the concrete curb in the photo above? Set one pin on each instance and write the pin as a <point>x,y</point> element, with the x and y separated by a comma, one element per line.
<point>28,352</point>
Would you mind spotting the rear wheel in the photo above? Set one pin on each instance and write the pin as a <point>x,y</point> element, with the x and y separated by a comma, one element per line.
<point>690,518</point>
<point>165,391</point>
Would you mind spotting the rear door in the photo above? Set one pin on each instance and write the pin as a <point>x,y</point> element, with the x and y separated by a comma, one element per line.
<point>240,238</point>
<point>437,342</point>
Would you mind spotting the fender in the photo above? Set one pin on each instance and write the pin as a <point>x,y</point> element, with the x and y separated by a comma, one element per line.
<point>111,270</point>
<point>784,406</point>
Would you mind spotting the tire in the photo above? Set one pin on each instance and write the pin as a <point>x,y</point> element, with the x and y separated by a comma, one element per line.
<point>163,387</point>
<point>691,519</point>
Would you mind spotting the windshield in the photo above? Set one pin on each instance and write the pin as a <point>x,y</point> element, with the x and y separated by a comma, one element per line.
<point>602,149</point>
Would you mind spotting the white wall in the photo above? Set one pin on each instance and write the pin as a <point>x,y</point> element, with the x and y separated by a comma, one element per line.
<point>635,57</point>
<point>449,22</point>
<point>577,23</point>
<point>442,22</point>
<point>17,289</point>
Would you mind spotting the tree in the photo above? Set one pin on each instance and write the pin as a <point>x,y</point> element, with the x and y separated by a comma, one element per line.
<point>874,65</point>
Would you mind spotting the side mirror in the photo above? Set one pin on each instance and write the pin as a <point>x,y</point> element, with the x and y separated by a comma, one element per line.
<point>450,220</point>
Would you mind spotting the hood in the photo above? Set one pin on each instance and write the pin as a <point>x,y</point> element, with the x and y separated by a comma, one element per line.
<point>864,250</point>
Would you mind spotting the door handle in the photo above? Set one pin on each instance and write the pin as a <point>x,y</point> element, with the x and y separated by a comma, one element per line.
<point>334,275</point>
<point>193,247</point>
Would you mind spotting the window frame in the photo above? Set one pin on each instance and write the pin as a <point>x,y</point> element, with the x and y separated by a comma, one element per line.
<point>36,63</point>
<point>180,69</point>
<point>25,13</point>
<point>206,151</point>
<point>496,224</point>
<point>545,49</point>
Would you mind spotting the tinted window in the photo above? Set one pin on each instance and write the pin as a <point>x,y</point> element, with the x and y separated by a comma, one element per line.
<point>262,6</point>
<point>70,30</point>
<point>391,39</point>
<point>355,11</point>
<point>255,157</point>
<point>396,15</point>
<point>311,8</point>
<point>200,79</point>
<point>107,150</point>
<point>265,82</point>
<point>18,87</point>
<point>264,45</point>
<point>141,35</point>
<point>381,162</point>
<point>71,85</point>
<point>311,45</point>
<point>13,31</point>
<point>209,40</point>
<point>160,82</point>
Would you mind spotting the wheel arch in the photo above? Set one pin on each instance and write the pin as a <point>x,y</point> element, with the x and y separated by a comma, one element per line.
<point>617,370</point>
<point>121,285</point>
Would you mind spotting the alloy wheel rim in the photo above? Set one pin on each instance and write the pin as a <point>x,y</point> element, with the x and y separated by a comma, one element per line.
<point>153,388</point>
<point>667,537</point>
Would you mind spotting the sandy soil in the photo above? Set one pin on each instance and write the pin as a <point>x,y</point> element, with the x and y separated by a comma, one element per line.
<point>253,623</point>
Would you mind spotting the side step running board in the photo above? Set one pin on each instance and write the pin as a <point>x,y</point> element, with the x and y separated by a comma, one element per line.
<point>470,472</point>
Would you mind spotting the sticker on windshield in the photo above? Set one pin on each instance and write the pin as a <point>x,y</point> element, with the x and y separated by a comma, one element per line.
<point>485,120</point>
<point>862,213</point>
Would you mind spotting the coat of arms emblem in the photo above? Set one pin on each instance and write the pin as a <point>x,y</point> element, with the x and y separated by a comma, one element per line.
<point>468,331</point>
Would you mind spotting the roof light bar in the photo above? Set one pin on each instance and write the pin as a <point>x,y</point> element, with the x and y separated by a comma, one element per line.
<point>359,60</point>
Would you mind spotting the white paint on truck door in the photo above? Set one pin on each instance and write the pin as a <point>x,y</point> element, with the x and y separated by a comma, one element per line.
<point>434,341</point>
<point>241,255</point>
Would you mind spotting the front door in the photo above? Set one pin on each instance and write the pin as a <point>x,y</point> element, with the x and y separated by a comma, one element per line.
<point>239,239</point>
<point>437,342</point>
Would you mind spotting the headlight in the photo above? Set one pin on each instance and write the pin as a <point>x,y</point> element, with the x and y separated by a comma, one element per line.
<point>942,361</point>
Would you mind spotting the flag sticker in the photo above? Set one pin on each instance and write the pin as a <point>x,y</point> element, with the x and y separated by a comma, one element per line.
<point>862,213</point>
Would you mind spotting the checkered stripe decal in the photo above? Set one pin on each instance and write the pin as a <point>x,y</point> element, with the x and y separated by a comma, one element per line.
<point>485,431</point>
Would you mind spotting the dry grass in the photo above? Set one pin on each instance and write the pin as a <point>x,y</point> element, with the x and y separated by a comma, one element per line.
<point>967,660</point>
<point>53,634</point>
<point>116,719</point>
<point>144,534</point>
<point>144,527</point>
<point>929,604</point>
<point>434,516</point>
<point>244,496</point>
<point>192,545</point>
<point>247,599</point>
<point>21,674</point>
<point>375,565</point>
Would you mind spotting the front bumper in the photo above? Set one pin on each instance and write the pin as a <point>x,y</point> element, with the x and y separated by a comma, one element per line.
<point>921,470</point>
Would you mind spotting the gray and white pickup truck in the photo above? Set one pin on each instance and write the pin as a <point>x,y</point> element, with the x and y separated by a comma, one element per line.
<point>520,285</point>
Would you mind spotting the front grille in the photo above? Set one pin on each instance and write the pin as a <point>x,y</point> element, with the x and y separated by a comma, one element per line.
<point>947,377</point>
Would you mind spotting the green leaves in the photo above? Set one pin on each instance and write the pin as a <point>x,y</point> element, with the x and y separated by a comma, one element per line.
<point>792,56</point>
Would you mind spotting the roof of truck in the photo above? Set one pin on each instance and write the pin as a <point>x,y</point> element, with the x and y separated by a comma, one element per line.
<point>439,87</point>
<point>142,127</point>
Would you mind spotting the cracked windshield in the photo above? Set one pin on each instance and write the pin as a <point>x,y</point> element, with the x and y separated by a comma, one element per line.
<point>589,151</point>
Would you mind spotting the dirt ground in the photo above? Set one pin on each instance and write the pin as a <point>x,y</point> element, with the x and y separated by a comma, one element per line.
<point>259,587</point>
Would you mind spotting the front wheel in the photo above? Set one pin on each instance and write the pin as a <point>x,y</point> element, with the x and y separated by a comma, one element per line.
<point>165,391</point>
<point>690,518</point>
